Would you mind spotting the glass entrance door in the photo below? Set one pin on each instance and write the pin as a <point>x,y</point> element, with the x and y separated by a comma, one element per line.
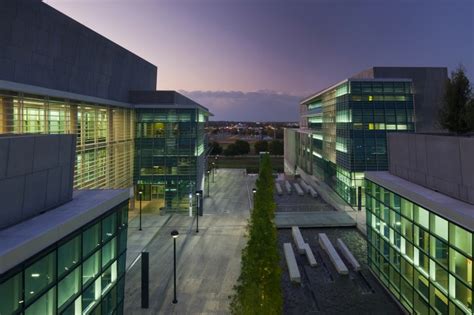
<point>157,196</point>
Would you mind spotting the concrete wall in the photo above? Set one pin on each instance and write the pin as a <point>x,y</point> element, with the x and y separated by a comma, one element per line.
<point>441,163</point>
<point>429,86</point>
<point>36,174</point>
<point>160,97</point>
<point>290,150</point>
<point>43,47</point>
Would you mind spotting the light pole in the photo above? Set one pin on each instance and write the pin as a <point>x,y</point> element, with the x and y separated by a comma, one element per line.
<point>208,179</point>
<point>174,234</point>
<point>197,211</point>
<point>140,193</point>
<point>213,170</point>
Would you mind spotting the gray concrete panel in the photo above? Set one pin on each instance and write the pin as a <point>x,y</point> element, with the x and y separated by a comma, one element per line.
<point>20,155</point>
<point>3,158</point>
<point>442,163</point>
<point>11,196</point>
<point>46,152</point>
<point>43,47</point>
<point>35,193</point>
<point>53,187</point>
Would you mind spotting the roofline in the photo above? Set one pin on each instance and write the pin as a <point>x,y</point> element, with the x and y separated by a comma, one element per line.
<point>37,90</point>
<point>309,98</point>
<point>415,193</point>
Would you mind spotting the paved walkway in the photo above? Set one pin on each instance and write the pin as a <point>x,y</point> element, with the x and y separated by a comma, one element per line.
<point>208,261</point>
<point>331,197</point>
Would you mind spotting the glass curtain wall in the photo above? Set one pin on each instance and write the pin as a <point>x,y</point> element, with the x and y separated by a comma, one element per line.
<point>424,259</point>
<point>348,126</point>
<point>104,150</point>
<point>81,274</point>
<point>170,144</point>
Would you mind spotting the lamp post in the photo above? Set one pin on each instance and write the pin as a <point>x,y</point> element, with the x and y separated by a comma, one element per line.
<point>174,234</point>
<point>140,193</point>
<point>213,170</point>
<point>197,211</point>
<point>208,179</point>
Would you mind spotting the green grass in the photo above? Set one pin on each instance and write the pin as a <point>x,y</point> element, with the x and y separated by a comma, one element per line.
<point>249,162</point>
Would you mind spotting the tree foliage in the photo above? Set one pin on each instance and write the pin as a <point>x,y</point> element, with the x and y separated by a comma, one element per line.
<point>457,111</point>
<point>258,290</point>
<point>260,146</point>
<point>216,148</point>
<point>276,147</point>
<point>239,147</point>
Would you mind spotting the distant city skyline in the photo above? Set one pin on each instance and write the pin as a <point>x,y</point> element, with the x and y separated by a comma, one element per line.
<point>233,55</point>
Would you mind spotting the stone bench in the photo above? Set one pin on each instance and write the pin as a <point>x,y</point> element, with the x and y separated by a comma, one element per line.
<point>333,255</point>
<point>288,187</point>
<point>348,255</point>
<point>298,239</point>
<point>278,189</point>
<point>298,189</point>
<point>313,192</point>
<point>304,186</point>
<point>309,254</point>
<point>293,270</point>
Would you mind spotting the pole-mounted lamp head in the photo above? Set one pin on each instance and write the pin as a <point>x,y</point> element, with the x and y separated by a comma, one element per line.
<point>174,234</point>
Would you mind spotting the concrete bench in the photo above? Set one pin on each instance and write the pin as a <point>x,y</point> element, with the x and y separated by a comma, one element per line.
<point>304,186</point>
<point>298,239</point>
<point>293,270</point>
<point>313,192</point>
<point>348,255</point>
<point>288,186</point>
<point>298,189</point>
<point>309,254</point>
<point>333,255</point>
<point>278,189</point>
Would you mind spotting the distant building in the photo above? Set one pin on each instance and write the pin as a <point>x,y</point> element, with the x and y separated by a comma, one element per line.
<point>59,77</point>
<point>420,222</point>
<point>60,252</point>
<point>343,128</point>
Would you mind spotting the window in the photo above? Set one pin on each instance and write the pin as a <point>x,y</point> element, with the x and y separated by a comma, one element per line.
<point>109,225</point>
<point>69,287</point>
<point>422,217</point>
<point>439,226</point>
<point>90,239</point>
<point>91,268</point>
<point>109,252</point>
<point>69,255</point>
<point>11,294</point>
<point>91,295</point>
<point>46,304</point>
<point>39,275</point>
<point>461,238</point>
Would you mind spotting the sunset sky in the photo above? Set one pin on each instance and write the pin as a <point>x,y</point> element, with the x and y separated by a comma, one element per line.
<point>254,60</point>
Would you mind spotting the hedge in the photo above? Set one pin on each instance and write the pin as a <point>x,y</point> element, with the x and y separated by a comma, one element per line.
<point>258,289</point>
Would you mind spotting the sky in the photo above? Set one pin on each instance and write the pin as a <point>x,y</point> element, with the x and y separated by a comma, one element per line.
<point>255,59</point>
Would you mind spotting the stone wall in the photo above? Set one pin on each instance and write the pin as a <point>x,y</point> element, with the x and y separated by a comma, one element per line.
<point>441,163</point>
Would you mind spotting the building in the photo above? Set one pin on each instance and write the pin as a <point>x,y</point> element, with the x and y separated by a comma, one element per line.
<point>59,77</point>
<point>343,128</point>
<point>420,223</point>
<point>61,252</point>
<point>170,148</point>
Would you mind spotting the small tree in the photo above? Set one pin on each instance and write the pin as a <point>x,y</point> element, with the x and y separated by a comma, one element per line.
<point>242,147</point>
<point>456,113</point>
<point>260,146</point>
<point>276,147</point>
<point>231,150</point>
<point>216,148</point>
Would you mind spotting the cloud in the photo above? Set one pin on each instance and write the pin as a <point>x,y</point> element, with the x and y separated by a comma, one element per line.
<point>261,105</point>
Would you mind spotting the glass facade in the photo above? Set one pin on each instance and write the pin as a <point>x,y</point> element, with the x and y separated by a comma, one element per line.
<point>83,273</point>
<point>345,131</point>
<point>424,259</point>
<point>104,152</point>
<point>170,150</point>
